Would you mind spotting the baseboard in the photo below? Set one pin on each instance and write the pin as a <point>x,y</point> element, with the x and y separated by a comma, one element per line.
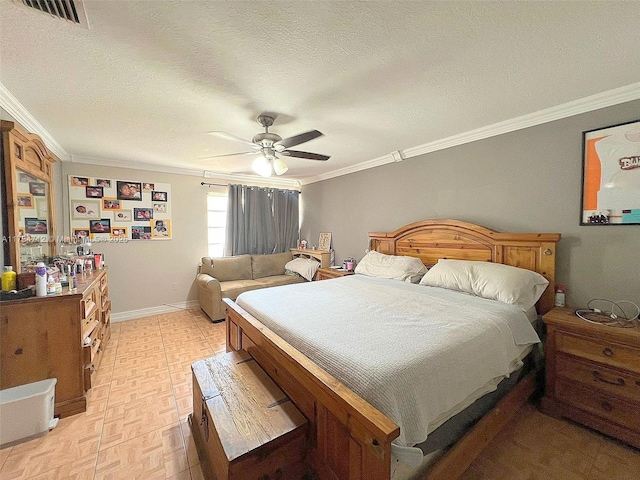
<point>159,310</point>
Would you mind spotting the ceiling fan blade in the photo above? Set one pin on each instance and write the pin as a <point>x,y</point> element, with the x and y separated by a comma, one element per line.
<point>228,136</point>
<point>298,139</point>
<point>228,155</point>
<point>307,155</point>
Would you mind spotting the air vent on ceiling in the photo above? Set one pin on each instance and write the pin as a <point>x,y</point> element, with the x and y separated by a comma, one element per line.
<point>69,10</point>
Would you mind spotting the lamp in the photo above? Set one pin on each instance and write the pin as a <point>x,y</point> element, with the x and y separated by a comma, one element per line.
<point>279,166</point>
<point>261,166</point>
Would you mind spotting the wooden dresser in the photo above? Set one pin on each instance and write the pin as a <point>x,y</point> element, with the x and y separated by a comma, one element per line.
<point>593,374</point>
<point>61,336</point>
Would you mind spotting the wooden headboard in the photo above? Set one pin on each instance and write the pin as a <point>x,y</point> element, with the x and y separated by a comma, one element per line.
<point>431,240</point>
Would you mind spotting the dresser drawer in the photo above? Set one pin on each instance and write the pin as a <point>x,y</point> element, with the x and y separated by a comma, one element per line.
<point>89,323</point>
<point>90,302</point>
<point>606,406</point>
<point>601,351</point>
<point>620,383</point>
<point>89,350</point>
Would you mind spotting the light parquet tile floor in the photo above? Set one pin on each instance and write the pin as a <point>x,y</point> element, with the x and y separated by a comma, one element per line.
<point>135,425</point>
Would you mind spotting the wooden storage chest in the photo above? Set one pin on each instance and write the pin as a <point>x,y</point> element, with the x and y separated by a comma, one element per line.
<point>244,426</point>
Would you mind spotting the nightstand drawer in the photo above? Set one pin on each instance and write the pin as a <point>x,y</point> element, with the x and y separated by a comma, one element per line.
<point>605,406</point>
<point>615,382</point>
<point>600,351</point>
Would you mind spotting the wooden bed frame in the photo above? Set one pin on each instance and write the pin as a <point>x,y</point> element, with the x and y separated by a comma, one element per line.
<point>350,439</point>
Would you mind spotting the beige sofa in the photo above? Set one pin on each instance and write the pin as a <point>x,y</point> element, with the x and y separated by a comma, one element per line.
<point>228,277</point>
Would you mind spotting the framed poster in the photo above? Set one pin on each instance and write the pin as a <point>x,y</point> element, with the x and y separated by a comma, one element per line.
<point>611,175</point>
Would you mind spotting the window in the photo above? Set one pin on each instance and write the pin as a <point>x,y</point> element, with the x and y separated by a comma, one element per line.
<point>217,222</point>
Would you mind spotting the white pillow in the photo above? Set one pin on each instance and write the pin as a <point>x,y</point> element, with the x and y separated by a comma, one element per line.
<point>495,281</point>
<point>407,269</point>
<point>305,267</point>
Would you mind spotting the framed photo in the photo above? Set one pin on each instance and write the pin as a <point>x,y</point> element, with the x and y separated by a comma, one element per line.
<point>119,232</point>
<point>94,192</point>
<point>140,232</point>
<point>81,209</point>
<point>26,178</point>
<point>142,214</point>
<point>160,207</point>
<point>100,226</point>
<point>81,232</point>
<point>37,189</point>
<point>324,243</point>
<point>161,229</point>
<point>78,181</point>
<point>611,175</point>
<point>111,204</point>
<point>159,196</point>
<point>123,216</point>
<point>35,226</point>
<point>101,182</point>
<point>42,207</point>
<point>25,200</point>
<point>129,191</point>
<point>148,186</point>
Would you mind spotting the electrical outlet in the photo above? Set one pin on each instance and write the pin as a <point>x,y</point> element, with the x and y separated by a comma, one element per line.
<point>175,286</point>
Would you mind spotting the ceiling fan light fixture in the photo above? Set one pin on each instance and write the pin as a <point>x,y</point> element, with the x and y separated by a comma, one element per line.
<point>279,167</point>
<point>261,166</point>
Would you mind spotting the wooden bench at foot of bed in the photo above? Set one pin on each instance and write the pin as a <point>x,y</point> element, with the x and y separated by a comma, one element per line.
<point>243,425</point>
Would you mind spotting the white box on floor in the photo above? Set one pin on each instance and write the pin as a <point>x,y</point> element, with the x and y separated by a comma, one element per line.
<point>27,410</point>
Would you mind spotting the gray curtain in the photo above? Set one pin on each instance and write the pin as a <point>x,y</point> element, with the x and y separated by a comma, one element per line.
<point>287,218</point>
<point>261,220</point>
<point>235,240</point>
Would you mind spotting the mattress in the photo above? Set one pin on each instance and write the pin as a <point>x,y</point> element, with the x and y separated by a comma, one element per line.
<point>419,354</point>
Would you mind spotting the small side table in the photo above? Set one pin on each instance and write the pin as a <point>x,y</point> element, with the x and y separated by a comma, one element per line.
<point>327,273</point>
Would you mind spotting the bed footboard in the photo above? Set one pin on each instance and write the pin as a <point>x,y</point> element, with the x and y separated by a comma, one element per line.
<point>348,438</point>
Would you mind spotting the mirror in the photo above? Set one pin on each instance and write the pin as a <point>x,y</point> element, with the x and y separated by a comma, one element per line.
<point>32,198</point>
<point>28,191</point>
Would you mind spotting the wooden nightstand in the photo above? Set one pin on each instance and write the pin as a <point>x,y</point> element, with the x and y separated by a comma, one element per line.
<point>593,374</point>
<point>327,273</point>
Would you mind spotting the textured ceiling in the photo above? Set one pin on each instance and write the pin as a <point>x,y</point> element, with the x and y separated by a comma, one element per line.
<point>148,79</point>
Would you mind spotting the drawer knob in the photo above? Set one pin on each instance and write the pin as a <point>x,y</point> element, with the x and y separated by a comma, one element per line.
<point>606,406</point>
<point>607,352</point>
<point>618,381</point>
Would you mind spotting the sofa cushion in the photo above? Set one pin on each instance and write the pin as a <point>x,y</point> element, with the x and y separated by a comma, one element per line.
<point>233,288</point>
<point>269,265</point>
<point>227,268</point>
<point>276,280</point>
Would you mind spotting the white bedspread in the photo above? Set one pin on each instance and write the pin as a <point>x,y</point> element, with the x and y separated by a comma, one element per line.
<point>414,352</point>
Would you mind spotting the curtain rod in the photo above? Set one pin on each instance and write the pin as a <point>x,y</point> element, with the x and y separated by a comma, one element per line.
<point>214,184</point>
<point>227,184</point>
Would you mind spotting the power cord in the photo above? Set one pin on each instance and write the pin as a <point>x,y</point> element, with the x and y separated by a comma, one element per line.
<point>612,313</point>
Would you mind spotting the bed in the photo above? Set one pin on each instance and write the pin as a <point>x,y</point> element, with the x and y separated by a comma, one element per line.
<point>349,437</point>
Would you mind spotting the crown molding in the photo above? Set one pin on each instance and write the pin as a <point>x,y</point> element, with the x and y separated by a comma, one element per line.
<point>209,175</point>
<point>24,118</point>
<point>609,98</point>
<point>376,162</point>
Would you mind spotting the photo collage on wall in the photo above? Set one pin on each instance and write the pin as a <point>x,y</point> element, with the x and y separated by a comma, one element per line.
<point>112,208</point>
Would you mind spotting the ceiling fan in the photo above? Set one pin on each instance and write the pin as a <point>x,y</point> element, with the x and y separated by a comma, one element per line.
<point>270,147</point>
